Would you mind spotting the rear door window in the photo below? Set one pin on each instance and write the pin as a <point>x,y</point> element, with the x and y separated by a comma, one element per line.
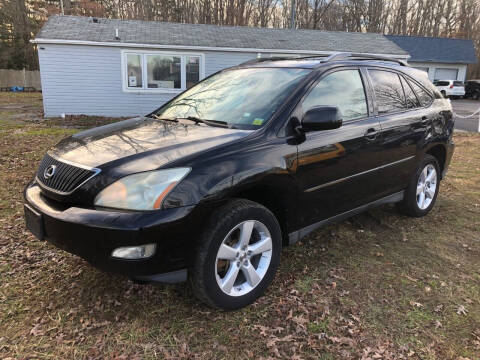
<point>388,91</point>
<point>410,97</point>
<point>441,83</point>
<point>424,97</point>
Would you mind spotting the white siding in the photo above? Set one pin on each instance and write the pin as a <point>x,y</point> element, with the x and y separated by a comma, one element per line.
<point>79,79</point>
<point>432,67</point>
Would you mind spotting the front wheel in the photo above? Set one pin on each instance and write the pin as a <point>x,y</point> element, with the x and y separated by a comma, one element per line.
<point>237,255</point>
<point>422,191</point>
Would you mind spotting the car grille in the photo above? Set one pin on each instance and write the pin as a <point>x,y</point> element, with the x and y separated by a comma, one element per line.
<point>66,177</point>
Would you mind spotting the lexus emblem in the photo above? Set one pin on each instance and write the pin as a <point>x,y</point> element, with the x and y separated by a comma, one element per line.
<point>49,171</point>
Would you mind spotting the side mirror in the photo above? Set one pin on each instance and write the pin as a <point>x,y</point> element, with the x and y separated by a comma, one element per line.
<point>322,118</point>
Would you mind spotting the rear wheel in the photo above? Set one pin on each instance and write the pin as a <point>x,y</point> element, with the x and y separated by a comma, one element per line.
<point>444,94</point>
<point>475,95</point>
<point>237,256</point>
<point>422,190</point>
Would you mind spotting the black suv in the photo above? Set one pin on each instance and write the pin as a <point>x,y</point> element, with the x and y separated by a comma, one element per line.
<point>472,89</point>
<point>213,184</point>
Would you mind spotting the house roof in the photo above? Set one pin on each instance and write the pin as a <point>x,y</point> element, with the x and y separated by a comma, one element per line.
<point>87,29</point>
<point>442,50</point>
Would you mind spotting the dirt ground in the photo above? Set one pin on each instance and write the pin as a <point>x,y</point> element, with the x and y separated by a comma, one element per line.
<point>377,286</point>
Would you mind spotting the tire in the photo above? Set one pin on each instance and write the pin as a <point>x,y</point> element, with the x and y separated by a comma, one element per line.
<point>412,204</point>
<point>211,268</point>
<point>475,95</point>
<point>444,94</point>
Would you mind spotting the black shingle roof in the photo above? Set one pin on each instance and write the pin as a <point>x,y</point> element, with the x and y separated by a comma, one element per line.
<point>162,33</point>
<point>440,50</point>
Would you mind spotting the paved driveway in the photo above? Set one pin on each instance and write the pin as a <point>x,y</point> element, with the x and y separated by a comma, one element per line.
<point>464,107</point>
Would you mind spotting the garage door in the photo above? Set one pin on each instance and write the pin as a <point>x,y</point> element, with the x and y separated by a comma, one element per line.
<point>446,74</point>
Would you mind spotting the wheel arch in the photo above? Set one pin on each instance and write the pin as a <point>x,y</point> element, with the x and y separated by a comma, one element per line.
<point>439,152</point>
<point>280,202</point>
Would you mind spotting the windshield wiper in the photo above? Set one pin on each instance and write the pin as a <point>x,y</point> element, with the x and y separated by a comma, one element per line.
<point>207,122</point>
<point>196,120</point>
<point>164,119</point>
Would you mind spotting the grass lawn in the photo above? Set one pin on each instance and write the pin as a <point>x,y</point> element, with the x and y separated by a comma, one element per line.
<point>377,286</point>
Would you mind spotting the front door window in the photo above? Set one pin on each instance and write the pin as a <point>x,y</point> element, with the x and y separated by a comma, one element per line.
<point>343,89</point>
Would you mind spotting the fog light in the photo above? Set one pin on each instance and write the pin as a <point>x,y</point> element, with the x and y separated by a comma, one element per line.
<point>134,252</point>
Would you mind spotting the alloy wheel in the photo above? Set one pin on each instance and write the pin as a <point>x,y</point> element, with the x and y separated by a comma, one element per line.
<point>243,258</point>
<point>426,186</point>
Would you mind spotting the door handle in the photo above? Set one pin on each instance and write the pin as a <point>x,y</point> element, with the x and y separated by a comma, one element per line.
<point>371,134</point>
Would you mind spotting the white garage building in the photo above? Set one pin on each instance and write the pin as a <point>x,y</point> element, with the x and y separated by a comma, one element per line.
<point>441,58</point>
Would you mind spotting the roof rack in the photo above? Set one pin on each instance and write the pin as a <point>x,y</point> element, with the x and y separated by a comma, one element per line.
<point>360,56</point>
<point>327,58</point>
<point>277,58</point>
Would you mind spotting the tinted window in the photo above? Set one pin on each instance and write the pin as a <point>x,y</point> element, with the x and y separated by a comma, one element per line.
<point>458,83</point>
<point>388,91</point>
<point>343,89</point>
<point>441,83</point>
<point>410,98</point>
<point>423,96</point>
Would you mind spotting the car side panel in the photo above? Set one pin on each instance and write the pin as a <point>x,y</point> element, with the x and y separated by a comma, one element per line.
<point>262,164</point>
<point>401,134</point>
<point>337,170</point>
<point>407,136</point>
<point>439,131</point>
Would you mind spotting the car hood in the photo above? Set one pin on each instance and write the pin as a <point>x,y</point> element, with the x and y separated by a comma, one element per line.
<point>164,140</point>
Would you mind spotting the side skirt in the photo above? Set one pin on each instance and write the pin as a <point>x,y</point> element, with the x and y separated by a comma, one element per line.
<point>299,234</point>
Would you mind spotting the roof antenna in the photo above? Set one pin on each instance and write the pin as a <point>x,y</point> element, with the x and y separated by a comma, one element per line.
<point>116,35</point>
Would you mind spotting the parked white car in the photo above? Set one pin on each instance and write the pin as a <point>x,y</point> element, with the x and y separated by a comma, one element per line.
<point>450,88</point>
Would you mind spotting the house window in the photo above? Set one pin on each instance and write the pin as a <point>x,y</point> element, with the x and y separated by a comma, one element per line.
<point>193,70</point>
<point>164,72</point>
<point>134,70</point>
<point>160,71</point>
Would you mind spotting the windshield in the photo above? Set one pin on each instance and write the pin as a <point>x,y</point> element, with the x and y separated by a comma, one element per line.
<point>243,98</point>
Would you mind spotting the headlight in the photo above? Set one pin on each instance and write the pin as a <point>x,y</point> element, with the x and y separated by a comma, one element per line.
<point>142,191</point>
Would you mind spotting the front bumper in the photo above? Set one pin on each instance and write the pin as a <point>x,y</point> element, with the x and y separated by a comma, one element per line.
<point>93,234</point>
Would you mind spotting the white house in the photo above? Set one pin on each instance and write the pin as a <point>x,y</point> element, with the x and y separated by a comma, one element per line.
<point>111,67</point>
<point>126,67</point>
